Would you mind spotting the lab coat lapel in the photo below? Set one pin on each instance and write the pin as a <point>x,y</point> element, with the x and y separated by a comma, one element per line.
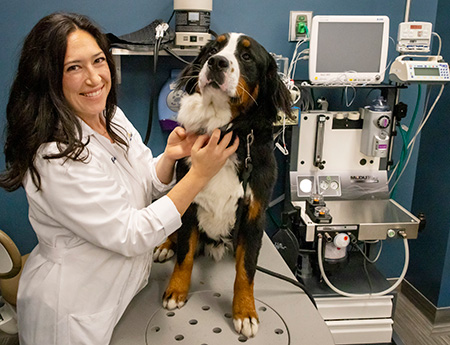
<point>117,157</point>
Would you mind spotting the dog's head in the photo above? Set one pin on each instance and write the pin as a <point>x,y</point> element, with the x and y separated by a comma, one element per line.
<point>237,66</point>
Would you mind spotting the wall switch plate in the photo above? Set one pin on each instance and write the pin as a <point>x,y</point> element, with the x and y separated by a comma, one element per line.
<point>300,23</point>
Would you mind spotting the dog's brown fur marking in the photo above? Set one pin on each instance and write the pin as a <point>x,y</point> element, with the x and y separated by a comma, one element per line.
<point>246,98</point>
<point>221,38</point>
<point>254,209</point>
<point>243,300</point>
<point>246,43</point>
<point>180,281</point>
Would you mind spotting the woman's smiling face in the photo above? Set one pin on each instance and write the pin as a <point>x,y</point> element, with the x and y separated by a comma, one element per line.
<point>86,78</point>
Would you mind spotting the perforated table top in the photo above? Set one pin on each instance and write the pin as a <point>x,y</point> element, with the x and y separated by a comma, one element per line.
<point>286,314</point>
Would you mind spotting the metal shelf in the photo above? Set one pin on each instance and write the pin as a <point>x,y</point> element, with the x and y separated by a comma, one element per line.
<point>367,86</point>
<point>146,51</point>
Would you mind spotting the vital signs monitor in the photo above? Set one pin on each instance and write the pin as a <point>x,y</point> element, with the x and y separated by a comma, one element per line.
<point>348,50</point>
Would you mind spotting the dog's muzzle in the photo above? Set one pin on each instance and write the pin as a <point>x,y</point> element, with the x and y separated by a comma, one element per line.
<point>217,67</point>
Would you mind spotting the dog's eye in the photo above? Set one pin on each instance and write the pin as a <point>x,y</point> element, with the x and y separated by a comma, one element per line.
<point>213,51</point>
<point>246,56</point>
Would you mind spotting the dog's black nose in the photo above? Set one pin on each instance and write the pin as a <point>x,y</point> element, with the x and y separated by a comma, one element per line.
<point>218,62</point>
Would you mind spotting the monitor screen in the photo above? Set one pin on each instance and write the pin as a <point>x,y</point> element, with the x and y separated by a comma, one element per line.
<point>348,49</point>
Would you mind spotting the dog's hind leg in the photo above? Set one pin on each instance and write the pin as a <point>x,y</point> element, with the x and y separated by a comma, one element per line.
<point>166,250</point>
<point>176,292</point>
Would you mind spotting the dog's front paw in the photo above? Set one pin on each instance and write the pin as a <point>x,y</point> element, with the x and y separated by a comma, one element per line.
<point>174,299</point>
<point>165,251</point>
<point>162,254</point>
<point>246,326</point>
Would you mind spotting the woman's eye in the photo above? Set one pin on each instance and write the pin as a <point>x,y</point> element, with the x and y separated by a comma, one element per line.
<point>72,68</point>
<point>100,59</point>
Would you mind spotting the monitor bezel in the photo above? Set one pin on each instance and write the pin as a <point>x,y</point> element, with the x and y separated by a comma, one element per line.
<point>347,77</point>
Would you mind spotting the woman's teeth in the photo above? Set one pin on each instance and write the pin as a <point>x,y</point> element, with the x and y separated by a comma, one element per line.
<point>93,94</point>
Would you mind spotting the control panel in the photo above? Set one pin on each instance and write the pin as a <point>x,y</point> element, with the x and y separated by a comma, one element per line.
<point>432,70</point>
<point>414,37</point>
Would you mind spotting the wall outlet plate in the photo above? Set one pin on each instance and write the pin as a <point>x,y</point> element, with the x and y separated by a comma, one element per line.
<point>302,18</point>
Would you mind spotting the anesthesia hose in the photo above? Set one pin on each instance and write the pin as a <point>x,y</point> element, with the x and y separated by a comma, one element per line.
<point>346,294</point>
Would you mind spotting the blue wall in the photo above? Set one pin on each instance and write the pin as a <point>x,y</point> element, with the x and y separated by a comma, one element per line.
<point>430,257</point>
<point>268,23</point>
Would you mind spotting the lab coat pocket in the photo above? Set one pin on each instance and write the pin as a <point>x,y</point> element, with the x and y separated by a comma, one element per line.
<point>92,329</point>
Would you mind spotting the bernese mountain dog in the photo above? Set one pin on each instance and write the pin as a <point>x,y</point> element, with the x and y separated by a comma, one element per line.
<point>233,84</point>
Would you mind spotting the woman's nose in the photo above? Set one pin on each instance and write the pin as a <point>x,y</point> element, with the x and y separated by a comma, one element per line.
<point>92,76</point>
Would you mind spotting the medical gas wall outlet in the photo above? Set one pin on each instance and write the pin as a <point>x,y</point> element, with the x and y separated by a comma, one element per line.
<point>414,37</point>
<point>300,23</point>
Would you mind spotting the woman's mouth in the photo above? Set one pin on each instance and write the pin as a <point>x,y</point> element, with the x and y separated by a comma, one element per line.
<point>93,93</point>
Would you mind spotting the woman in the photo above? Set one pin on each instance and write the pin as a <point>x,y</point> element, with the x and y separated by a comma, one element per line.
<point>91,185</point>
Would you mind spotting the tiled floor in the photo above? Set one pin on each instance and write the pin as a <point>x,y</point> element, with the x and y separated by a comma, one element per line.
<point>413,328</point>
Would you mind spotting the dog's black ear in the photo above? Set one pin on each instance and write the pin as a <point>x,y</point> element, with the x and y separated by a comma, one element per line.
<point>281,97</point>
<point>188,77</point>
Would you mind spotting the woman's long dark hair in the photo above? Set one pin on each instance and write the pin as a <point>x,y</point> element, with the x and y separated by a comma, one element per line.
<point>37,111</point>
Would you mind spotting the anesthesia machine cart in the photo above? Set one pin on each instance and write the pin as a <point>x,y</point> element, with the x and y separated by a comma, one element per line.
<point>338,185</point>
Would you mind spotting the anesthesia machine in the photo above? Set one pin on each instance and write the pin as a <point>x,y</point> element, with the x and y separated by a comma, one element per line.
<point>342,172</point>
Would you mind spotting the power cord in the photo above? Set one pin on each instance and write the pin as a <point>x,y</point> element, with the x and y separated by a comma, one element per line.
<point>289,280</point>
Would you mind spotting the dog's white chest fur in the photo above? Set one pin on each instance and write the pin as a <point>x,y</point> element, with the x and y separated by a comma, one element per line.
<point>216,208</point>
<point>217,202</point>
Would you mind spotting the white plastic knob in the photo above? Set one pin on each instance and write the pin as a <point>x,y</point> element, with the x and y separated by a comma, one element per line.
<point>341,240</point>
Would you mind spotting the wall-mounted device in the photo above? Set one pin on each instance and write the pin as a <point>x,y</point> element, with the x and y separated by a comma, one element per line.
<point>431,70</point>
<point>192,20</point>
<point>348,49</point>
<point>299,25</point>
<point>414,37</point>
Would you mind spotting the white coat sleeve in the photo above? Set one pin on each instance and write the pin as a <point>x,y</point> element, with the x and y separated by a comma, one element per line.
<point>92,205</point>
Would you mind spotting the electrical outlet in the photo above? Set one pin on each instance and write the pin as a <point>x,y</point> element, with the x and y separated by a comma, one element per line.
<point>300,23</point>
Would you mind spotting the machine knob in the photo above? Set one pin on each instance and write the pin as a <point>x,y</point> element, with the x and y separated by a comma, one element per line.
<point>341,240</point>
<point>391,233</point>
<point>383,121</point>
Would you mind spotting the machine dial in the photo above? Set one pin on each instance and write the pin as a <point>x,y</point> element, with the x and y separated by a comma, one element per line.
<point>334,185</point>
<point>324,184</point>
<point>383,121</point>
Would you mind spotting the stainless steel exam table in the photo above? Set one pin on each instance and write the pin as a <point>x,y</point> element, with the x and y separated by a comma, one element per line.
<point>286,314</point>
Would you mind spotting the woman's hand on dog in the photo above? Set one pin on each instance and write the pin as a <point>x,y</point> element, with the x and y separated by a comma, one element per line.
<point>179,145</point>
<point>208,156</point>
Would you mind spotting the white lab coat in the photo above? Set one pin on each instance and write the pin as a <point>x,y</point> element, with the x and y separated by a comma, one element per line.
<point>96,228</point>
